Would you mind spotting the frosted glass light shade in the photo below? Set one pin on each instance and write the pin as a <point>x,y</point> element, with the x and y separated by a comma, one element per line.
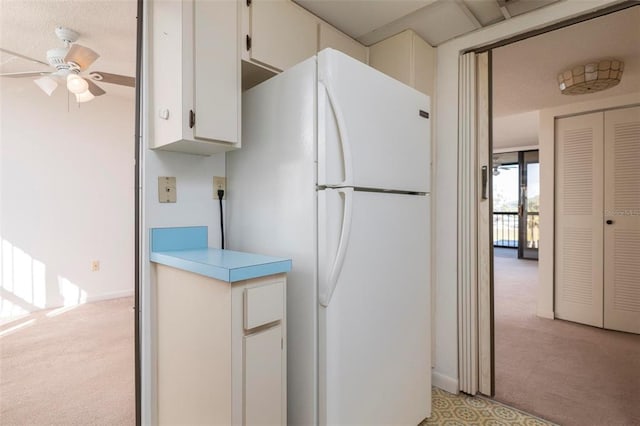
<point>85,96</point>
<point>76,84</point>
<point>591,77</point>
<point>47,84</point>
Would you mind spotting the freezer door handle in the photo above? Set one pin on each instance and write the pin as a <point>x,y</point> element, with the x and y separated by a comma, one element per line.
<point>344,138</point>
<point>326,291</point>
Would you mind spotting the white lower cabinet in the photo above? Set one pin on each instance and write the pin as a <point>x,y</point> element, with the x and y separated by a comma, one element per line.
<point>221,349</point>
<point>263,372</point>
<point>259,352</point>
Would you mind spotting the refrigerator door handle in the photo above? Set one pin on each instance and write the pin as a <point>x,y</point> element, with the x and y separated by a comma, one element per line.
<point>336,268</point>
<point>344,139</point>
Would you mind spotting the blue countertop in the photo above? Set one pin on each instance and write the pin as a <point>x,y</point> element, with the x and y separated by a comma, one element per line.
<point>186,248</point>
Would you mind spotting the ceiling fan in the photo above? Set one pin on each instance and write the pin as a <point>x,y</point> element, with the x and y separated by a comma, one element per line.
<point>70,62</point>
<point>498,165</point>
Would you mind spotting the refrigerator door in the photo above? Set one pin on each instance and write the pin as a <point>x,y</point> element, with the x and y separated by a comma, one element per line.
<point>374,331</point>
<point>373,131</point>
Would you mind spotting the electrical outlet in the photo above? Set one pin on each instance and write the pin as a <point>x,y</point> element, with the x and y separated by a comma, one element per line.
<point>167,189</point>
<point>219,183</point>
<point>95,265</point>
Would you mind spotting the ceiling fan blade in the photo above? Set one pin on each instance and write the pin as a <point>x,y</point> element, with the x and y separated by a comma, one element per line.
<point>94,88</point>
<point>80,55</point>
<point>106,77</point>
<point>23,56</point>
<point>24,74</point>
<point>47,84</point>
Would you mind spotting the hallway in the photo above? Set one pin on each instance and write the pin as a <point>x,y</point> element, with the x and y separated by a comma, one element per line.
<point>565,372</point>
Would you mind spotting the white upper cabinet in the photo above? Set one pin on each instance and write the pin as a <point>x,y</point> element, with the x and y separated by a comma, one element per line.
<point>282,33</point>
<point>407,58</point>
<point>277,34</point>
<point>195,76</point>
<point>331,37</point>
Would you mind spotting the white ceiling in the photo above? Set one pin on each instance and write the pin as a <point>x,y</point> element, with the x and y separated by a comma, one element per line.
<point>436,21</point>
<point>108,27</point>
<point>525,73</point>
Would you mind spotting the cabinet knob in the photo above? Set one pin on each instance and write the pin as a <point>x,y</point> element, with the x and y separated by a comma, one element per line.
<point>609,222</point>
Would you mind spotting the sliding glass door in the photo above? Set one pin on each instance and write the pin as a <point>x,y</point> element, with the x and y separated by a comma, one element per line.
<point>529,203</point>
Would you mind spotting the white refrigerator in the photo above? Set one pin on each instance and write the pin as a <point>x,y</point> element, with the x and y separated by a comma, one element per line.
<point>334,173</point>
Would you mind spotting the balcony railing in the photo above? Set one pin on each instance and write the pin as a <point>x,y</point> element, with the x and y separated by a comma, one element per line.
<point>505,229</point>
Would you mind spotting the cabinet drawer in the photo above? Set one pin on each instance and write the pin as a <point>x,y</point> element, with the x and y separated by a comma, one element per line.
<point>263,305</point>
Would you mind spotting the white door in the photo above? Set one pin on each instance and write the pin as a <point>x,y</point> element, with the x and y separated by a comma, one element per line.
<point>263,377</point>
<point>622,220</point>
<point>371,132</point>
<point>579,219</point>
<point>374,284</point>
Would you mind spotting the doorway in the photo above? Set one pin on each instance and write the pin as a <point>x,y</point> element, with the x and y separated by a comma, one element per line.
<point>67,255</point>
<point>543,365</point>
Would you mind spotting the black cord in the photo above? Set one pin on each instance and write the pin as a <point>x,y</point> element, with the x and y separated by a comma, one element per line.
<point>220,195</point>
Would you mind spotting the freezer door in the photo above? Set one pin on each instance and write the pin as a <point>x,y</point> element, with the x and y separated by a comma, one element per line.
<point>374,332</point>
<point>373,131</point>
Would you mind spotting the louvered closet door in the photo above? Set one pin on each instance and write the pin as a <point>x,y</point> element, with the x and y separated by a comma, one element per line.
<point>622,208</point>
<point>579,219</point>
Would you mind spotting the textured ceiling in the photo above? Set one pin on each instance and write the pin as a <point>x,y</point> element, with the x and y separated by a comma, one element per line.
<point>357,18</point>
<point>524,73</point>
<point>436,21</point>
<point>108,27</point>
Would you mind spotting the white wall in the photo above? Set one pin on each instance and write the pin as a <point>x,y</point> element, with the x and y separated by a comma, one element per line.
<point>547,166</point>
<point>446,363</point>
<point>195,206</point>
<point>515,131</point>
<point>67,178</point>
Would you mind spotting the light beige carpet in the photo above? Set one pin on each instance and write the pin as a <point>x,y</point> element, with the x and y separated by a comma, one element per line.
<point>566,372</point>
<point>74,368</point>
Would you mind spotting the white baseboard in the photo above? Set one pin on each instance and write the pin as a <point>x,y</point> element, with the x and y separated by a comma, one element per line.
<point>444,382</point>
<point>546,314</point>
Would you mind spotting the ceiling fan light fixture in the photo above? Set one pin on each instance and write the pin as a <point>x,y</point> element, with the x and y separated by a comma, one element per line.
<point>591,77</point>
<point>76,84</point>
<point>85,96</point>
<point>47,84</point>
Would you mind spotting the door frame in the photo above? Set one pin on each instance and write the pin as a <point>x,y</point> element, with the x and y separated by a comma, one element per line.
<point>469,276</point>
<point>522,199</point>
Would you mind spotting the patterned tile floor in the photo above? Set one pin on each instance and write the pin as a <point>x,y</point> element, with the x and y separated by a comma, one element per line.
<point>463,410</point>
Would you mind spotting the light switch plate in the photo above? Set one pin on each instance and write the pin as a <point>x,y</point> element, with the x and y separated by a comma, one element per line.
<point>167,189</point>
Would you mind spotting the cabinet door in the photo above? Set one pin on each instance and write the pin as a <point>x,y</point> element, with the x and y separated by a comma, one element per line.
<point>579,219</point>
<point>216,84</point>
<point>282,33</point>
<point>424,66</point>
<point>263,373</point>
<point>622,220</point>
<point>393,57</point>
<point>331,37</point>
